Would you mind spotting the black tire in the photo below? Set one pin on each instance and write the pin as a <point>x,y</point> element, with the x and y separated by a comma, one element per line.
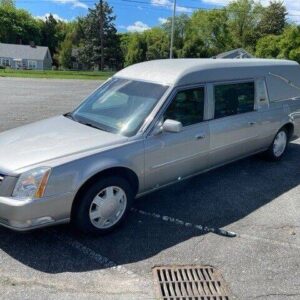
<point>80,215</point>
<point>270,153</point>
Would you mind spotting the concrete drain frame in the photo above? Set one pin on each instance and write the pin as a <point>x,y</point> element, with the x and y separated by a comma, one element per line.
<point>189,282</point>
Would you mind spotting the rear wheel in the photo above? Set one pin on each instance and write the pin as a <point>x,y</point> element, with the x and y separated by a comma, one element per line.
<point>278,146</point>
<point>103,206</point>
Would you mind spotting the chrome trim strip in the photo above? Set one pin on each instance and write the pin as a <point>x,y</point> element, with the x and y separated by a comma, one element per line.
<point>175,161</point>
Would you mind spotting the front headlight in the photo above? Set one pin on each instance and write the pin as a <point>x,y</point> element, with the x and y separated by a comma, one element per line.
<point>32,184</point>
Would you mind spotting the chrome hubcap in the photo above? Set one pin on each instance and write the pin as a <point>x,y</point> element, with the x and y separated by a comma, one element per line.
<point>108,207</point>
<point>279,143</point>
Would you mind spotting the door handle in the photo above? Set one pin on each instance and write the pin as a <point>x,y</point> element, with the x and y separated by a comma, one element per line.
<point>200,136</point>
<point>251,123</point>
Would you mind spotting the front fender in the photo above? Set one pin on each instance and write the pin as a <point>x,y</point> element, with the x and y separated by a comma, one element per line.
<point>70,176</point>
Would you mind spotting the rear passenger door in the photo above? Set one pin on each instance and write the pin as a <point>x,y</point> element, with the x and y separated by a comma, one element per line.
<point>234,124</point>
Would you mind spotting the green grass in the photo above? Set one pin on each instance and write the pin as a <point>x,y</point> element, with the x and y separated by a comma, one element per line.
<point>93,75</point>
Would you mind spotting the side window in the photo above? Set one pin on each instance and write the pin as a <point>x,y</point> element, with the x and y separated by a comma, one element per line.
<point>232,99</point>
<point>187,107</point>
<point>32,64</point>
<point>5,62</point>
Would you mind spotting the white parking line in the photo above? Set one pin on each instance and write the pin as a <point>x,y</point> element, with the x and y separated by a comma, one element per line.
<point>99,258</point>
<point>213,230</point>
<point>186,224</point>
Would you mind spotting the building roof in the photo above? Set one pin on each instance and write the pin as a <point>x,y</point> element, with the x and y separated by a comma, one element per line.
<point>235,53</point>
<point>177,71</point>
<point>23,51</point>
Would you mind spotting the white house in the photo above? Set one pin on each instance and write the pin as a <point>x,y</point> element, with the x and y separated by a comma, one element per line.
<point>25,57</point>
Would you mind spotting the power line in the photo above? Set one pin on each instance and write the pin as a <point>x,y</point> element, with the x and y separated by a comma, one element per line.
<point>157,6</point>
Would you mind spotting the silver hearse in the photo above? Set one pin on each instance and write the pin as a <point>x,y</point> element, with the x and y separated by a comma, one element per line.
<point>150,125</point>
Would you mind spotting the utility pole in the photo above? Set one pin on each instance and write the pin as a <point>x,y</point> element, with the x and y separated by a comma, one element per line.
<point>101,35</point>
<point>172,30</point>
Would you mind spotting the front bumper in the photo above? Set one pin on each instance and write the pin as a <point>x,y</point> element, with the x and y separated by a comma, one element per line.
<point>30,214</point>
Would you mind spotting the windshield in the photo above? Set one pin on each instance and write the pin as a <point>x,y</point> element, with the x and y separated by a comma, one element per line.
<point>120,106</point>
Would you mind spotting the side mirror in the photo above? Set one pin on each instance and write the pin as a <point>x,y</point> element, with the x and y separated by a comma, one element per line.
<point>172,126</point>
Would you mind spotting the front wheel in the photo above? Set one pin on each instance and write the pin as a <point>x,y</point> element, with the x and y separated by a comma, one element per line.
<point>103,206</point>
<point>278,146</point>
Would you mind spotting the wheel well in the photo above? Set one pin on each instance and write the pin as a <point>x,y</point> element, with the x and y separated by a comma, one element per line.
<point>116,171</point>
<point>290,129</point>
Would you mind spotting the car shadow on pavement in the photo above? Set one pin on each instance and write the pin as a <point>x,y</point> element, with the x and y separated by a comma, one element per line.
<point>215,199</point>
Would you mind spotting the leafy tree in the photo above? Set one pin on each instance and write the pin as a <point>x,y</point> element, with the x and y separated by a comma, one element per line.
<point>53,34</point>
<point>148,45</point>
<point>18,26</point>
<point>157,43</point>
<point>244,16</point>
<point>195,47</point>
<point>285,46</point>
<point>268,46</point>
<point>100,44</point>
<point>207,34</point>
<point>7,3</point>
<point>65,54</point>
<point>49,33</point>
<point>74,30</point>
<point>136,49</point>
<point>124,42</point>
<point>289,43</point>
<point>273,19</point>
<point>180,26</point>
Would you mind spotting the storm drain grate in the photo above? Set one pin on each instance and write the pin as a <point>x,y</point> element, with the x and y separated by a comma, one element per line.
<point>189,283</point>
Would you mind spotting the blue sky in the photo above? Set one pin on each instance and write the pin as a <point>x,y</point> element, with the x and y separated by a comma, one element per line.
<point>132,15</point>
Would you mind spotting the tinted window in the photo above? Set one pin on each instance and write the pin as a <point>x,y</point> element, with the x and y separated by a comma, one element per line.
<point>187,107</point>
<point>232,99</point>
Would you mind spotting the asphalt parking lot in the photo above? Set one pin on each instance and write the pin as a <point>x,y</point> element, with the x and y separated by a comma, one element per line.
<point>258,200</point>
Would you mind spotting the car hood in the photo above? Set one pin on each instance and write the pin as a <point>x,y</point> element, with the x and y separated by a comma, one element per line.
<point>49,139</point>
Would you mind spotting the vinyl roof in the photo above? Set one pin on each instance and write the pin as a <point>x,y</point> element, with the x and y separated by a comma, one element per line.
<point>15,51</point>
<point>171,71</point>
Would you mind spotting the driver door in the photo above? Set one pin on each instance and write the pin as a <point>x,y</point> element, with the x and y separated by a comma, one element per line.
<point>170,156</point>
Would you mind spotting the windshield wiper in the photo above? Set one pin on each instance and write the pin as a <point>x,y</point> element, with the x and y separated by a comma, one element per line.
<point>93,126</point>
<point>70,116</point>
<point>90,125</point>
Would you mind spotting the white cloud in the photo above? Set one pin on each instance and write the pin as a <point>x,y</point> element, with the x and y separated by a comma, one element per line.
<point>162,20</point>
<point>74,3</point>
<point>294,10</point>
<point>169,4</point>
<point>55,16</point>
<point>217,2</point>
<point>293,7</point>
<point>137,26</point>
